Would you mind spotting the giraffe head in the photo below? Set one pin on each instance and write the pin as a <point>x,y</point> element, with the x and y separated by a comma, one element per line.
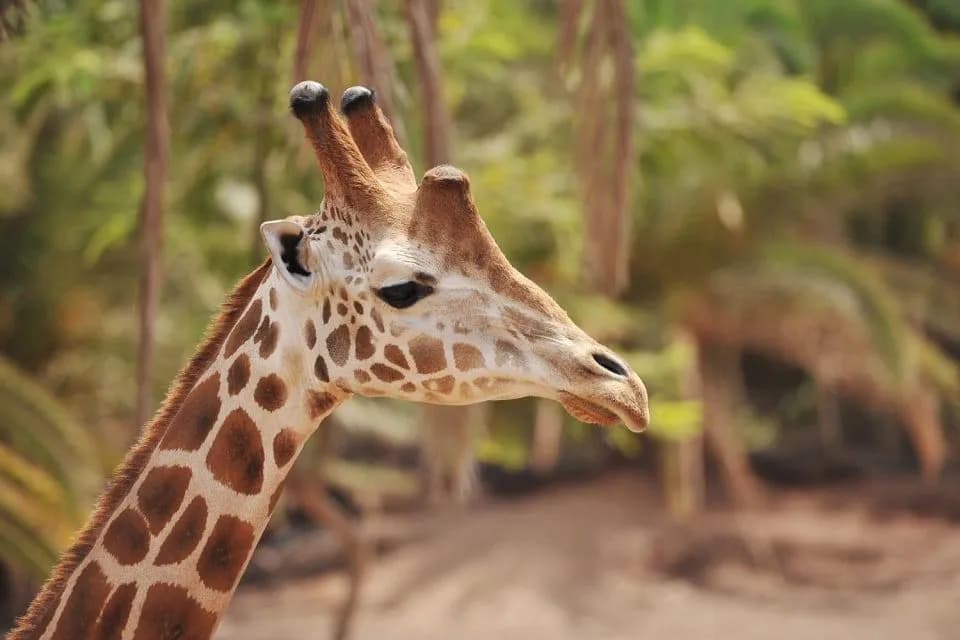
<point>403,292</point>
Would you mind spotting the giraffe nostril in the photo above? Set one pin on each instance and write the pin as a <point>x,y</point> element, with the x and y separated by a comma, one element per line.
<point>610,364</point>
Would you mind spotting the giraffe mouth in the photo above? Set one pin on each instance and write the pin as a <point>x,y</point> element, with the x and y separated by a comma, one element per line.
<point>630,409</point>
<point>586,411</point>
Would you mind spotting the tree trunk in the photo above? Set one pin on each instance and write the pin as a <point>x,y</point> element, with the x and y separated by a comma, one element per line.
<point>261,162</point>
<point>720,394</point>
<point>436,121</point>
<point>604,135</point>
<point>921,417</point>
<point>828,422</point>
<point>547,437</point>
<point>375,65</point>
<point>447,452</point>
<point>152,18</point>
<point>682,463</point>
<point>683,478</point>
<point>306,37</point>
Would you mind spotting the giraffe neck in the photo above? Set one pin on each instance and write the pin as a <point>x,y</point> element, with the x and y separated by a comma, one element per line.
<point>167,556</point>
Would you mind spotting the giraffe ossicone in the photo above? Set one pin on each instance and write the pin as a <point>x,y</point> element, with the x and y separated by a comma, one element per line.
<point>392,289</point>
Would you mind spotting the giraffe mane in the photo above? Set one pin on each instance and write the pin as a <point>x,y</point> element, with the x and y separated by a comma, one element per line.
<point>41,610</point>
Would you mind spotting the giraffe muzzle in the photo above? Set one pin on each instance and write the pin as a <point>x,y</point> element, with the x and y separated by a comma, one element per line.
<point>617,396</point>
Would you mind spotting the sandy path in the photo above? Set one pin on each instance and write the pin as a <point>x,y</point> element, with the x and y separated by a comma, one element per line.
<point>575,563</point>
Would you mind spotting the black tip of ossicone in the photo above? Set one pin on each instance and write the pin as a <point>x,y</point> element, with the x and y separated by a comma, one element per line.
<point>307,97</point>
<point>356,97</point>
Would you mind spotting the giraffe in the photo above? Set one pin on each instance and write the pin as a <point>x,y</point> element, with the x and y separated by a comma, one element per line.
<point>391,289</point>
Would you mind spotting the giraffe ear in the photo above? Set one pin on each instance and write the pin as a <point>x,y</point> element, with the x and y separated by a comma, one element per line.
<point>290,249</point>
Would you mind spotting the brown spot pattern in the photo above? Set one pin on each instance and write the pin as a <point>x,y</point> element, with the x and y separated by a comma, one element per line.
<point>310,333</point>
<point>338,344</point>
<point>319,403</point>
<point>127,538</point>
<point>385,373</point>
<point>342,309</point>
<point>395,356</point>
<point>320,369</point>
<point>244,328</point>
<point>113,618</point>
<point>185,534</point>
<point>361,376</point>
<point>467,356</point>
<point>225,552</point>
<point>365,347</point>
<point>427,354</point>
<point>377,319</point>
<point>273,299</point>
<point>284,446</point>
<point>271,392</point>
<point>169,613</point>
<point>267,335</point>
<point>238,374</point>
<point>408,387</point>
<point>508,354</point>
<point>196,417</point>
<point>441,385</point>
<point>236,456</point>
<point>83,606</point>
<point>161,494</point>
<point>326,311</point>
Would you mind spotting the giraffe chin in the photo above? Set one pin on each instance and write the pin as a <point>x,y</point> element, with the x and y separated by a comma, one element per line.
<point>586,411</point>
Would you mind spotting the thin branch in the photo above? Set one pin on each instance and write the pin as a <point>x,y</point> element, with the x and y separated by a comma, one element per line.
<point>152,24</point>
<point>436,123</point>
<point>306,37</point>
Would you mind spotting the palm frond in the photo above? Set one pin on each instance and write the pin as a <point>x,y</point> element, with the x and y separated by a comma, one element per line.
<point>912,105</point>
<point>875,304</point>
<point>815,308</point>
<point>34,423</point>
<point>49,473</point>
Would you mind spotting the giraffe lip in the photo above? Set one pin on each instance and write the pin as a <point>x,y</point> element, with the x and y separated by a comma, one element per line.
<point>634,415</point>
<point>586,411</point>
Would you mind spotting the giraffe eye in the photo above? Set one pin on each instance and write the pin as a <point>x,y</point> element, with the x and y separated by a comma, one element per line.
<point>405,294</point>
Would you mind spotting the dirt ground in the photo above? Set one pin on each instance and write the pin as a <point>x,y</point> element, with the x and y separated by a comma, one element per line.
<point>601,561</point>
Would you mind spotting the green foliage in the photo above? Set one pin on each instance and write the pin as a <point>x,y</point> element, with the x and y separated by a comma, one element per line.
<point>793,155</point>
<point>677,420</point>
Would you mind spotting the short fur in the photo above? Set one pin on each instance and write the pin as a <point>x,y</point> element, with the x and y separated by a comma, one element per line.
<point>34,622</point>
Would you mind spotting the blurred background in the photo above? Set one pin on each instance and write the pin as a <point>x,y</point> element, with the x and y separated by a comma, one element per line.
<point>756,202</point>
